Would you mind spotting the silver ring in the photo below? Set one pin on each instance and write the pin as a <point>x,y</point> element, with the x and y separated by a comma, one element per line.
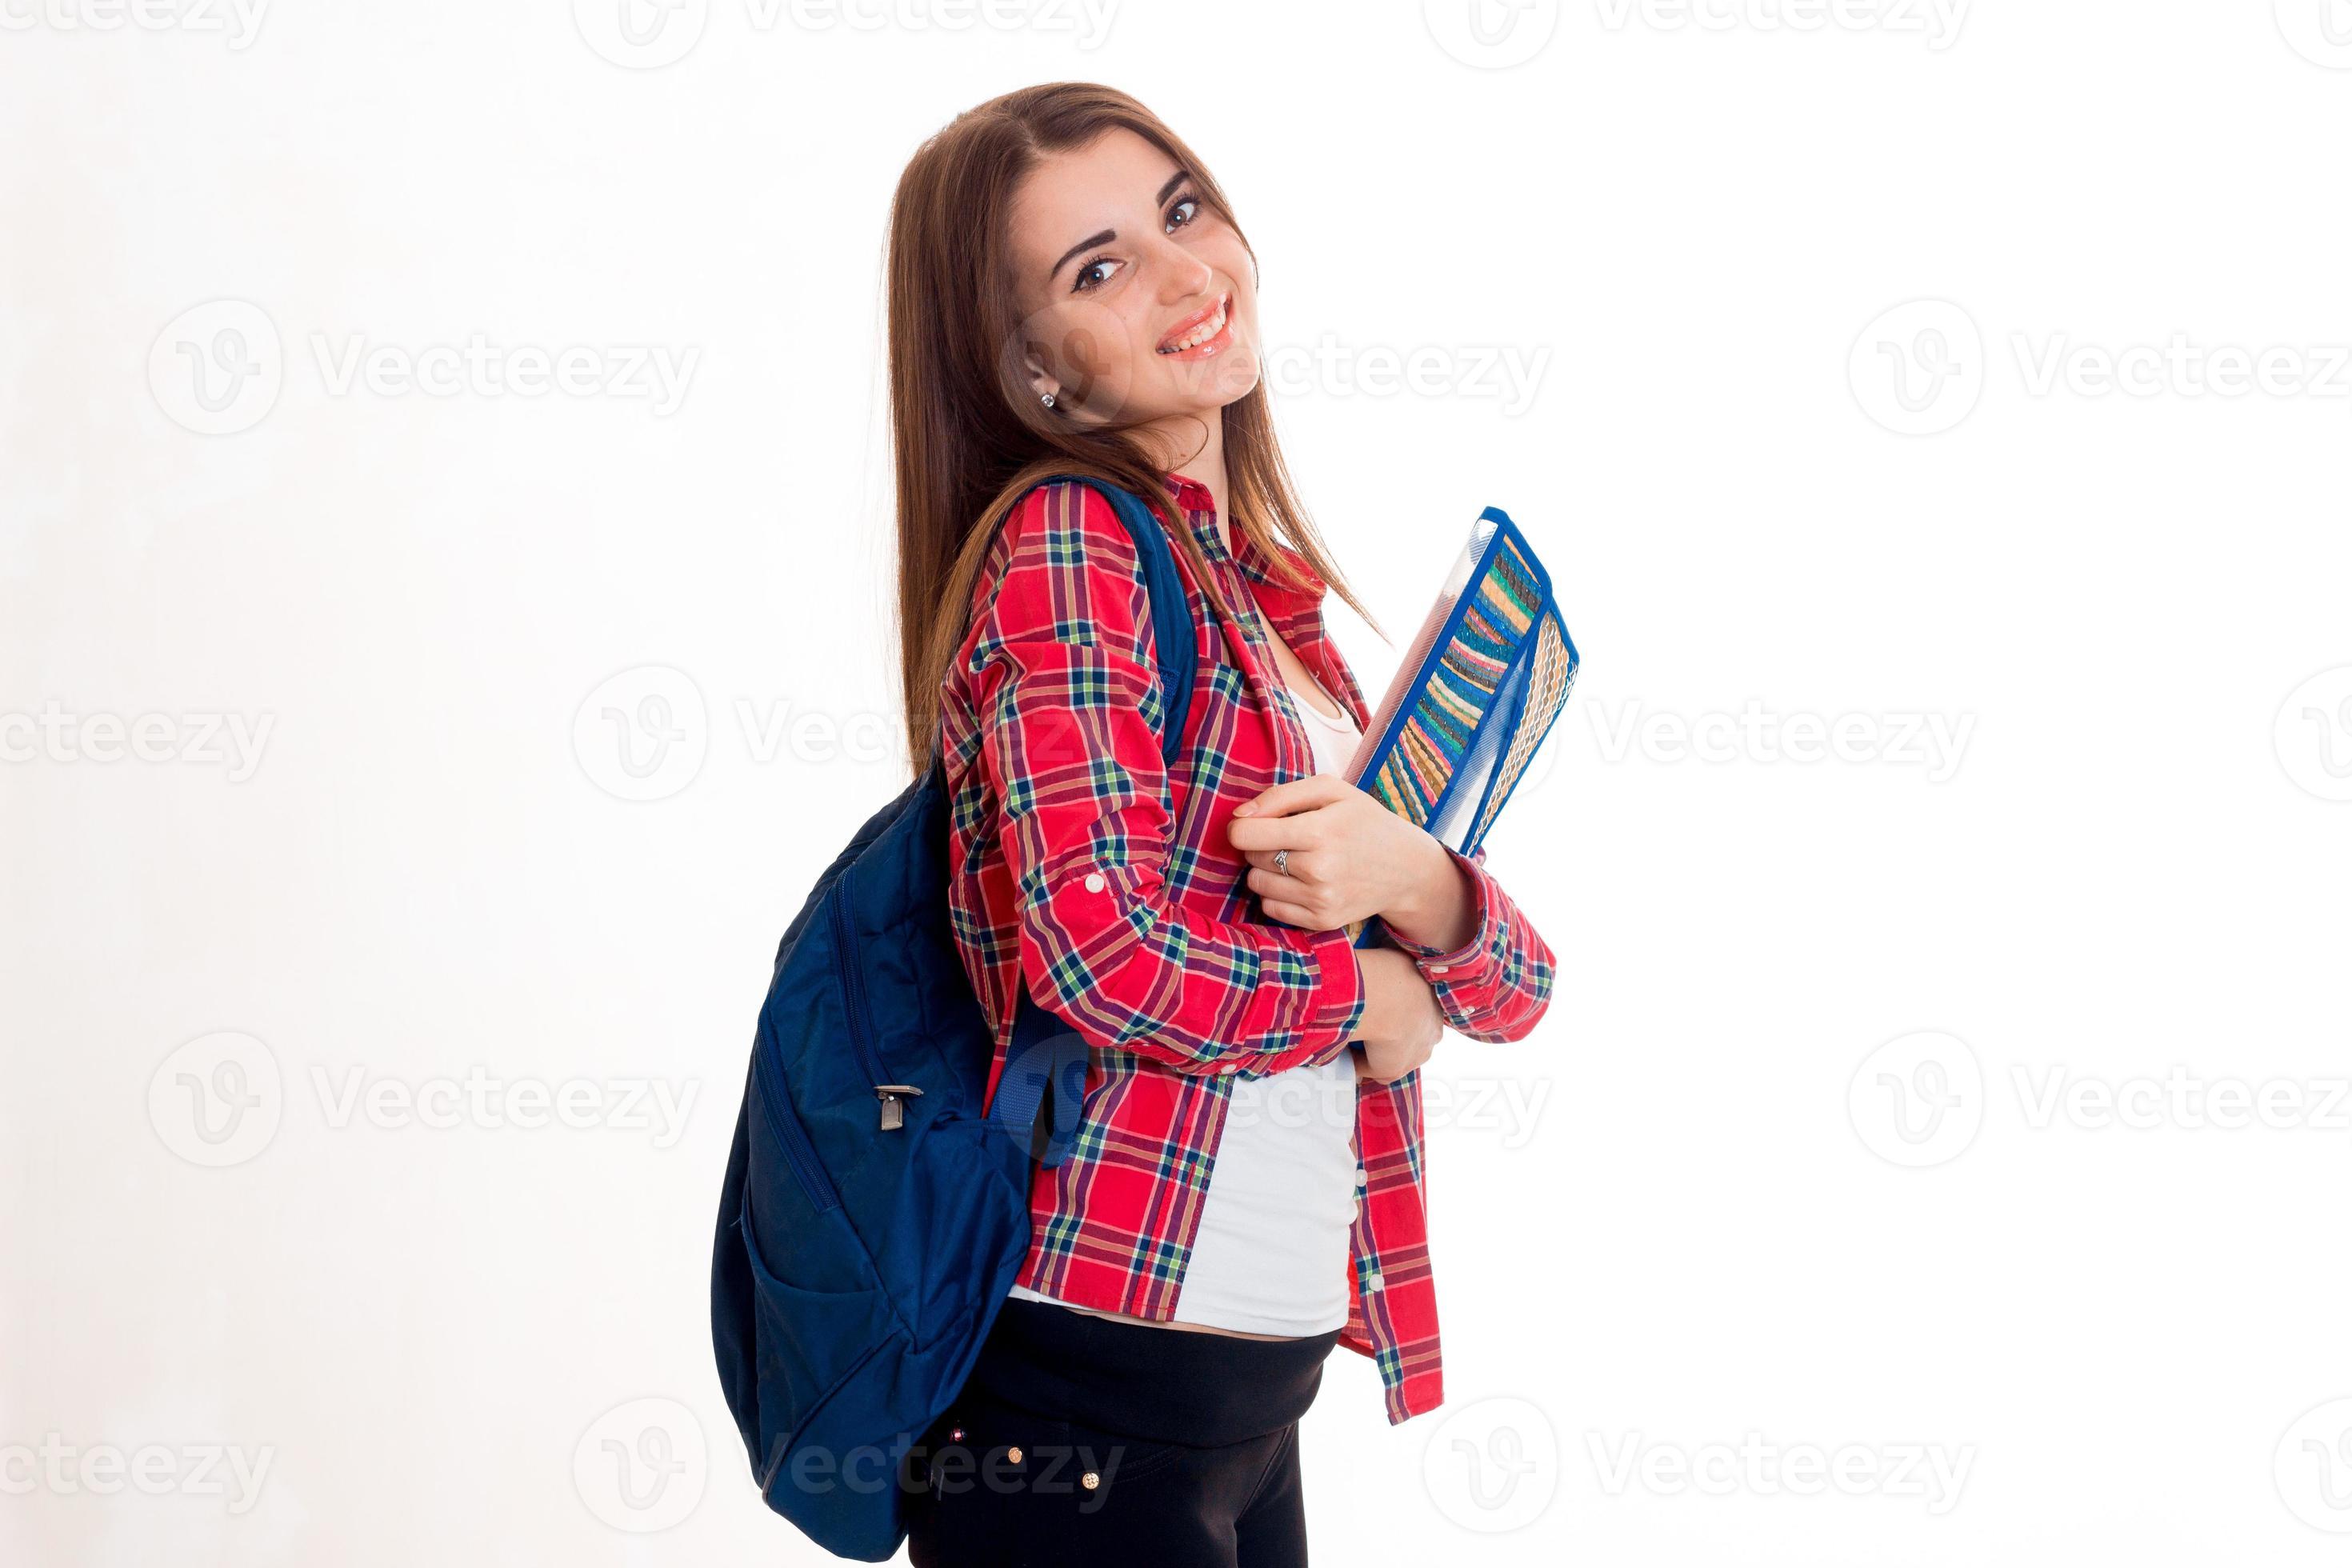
<point>1282,862</point>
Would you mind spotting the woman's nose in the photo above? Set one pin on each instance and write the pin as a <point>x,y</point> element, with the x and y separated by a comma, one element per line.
<point>1182,275</point>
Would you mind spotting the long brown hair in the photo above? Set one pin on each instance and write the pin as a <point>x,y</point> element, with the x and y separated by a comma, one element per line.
<point>968,436</point>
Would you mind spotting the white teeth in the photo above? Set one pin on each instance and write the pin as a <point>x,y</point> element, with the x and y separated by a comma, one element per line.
<point>1199,334</point>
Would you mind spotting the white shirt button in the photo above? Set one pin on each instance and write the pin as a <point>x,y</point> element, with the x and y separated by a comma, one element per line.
<point>1439,968</point>
<point>1360,1175</point>
<point>1094,883</point>
<point>1373,1282</point>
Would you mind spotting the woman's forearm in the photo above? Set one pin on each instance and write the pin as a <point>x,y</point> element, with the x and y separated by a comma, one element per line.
<point>1442,911</point>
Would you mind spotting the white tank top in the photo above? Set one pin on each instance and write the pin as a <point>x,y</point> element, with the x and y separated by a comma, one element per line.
<point>1271,1254</point>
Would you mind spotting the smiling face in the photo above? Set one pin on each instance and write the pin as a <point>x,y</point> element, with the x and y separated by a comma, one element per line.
<point>1139,302</point>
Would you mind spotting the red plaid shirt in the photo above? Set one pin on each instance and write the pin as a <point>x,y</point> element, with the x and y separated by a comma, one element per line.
<point>1078,862</point>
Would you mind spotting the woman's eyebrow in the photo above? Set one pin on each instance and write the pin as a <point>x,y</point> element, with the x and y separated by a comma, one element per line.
<point>1107,235</point>
<point>1104,238</point>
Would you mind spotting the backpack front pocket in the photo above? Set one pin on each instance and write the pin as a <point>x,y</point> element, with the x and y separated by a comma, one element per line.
<point>808,1339</point>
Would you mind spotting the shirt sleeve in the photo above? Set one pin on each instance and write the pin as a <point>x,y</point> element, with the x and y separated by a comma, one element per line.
<point>1066,688</point>
<point>1496,985</point>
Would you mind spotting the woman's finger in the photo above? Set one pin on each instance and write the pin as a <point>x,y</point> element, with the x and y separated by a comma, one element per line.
<point>1298,794</point>
<point>1290,914</point>
<point>1301,830</point>
<point>1275,884</point>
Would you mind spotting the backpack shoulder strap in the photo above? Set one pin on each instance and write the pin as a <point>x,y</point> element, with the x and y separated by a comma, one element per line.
<point>1172,612</point>
<point>1037,1100</point>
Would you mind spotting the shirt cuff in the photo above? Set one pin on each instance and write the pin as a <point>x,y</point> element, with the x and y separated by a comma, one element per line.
<point>1475,959</point>
<point>1340,1003</point>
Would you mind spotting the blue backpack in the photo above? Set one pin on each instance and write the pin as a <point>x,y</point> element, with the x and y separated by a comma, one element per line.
<point>876,1207</point>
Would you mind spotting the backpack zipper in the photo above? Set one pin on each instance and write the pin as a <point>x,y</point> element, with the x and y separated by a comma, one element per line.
<point>790,1137</point>
<point>861,1021</point>
<point>853,986</point>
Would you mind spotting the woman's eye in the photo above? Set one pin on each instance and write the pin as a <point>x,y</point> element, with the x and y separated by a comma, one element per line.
<point>1183,212</point>
<point>1095,274</point>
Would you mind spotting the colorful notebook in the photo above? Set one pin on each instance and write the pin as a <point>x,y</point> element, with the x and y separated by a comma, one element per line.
<point>1479,687</point>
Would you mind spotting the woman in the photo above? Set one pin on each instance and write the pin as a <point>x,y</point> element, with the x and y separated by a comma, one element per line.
<point>1070,293</point>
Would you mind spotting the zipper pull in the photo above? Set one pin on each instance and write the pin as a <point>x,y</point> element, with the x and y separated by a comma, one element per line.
<point>894,1108</point>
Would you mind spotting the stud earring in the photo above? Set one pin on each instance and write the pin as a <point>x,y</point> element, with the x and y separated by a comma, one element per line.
<point>1049,400</point>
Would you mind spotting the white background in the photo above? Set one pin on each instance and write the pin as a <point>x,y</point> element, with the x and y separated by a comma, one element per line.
<point>1696,1220</point>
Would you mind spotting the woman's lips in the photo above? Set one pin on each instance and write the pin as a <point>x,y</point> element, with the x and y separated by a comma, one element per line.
<point>1209,331</point>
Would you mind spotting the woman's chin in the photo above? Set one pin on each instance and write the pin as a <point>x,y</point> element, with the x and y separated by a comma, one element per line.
<point>1204,387</point>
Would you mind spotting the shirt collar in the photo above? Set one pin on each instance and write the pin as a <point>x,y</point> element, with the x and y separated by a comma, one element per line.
<point>1199,509</point>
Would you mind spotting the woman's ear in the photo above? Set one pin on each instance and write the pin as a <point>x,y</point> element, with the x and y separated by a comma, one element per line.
<point>1043,385</point>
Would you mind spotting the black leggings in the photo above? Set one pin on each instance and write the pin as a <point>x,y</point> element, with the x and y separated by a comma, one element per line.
<point>1079,1440</point>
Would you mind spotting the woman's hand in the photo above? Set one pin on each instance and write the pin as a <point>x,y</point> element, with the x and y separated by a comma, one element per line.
<point>1350,857</point>
<point>1401,1024</point>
